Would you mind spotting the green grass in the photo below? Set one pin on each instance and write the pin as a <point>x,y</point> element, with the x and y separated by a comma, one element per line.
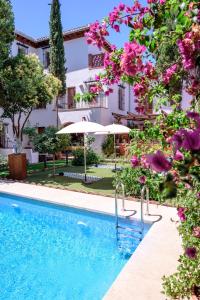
<point>40,166</point>
<point>36,167</point>
<point>37,175</point>
<point>101,187</point>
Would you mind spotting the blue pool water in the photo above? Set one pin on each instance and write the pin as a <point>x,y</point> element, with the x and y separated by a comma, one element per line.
<point>52,253</point>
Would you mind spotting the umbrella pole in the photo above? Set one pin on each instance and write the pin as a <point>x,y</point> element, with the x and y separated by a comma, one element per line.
<point>85,160</point>
<point>115,152</point>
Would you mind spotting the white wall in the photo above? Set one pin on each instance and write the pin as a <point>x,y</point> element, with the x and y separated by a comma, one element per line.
<point>14,49</point>
<point>76,53</point>
<point>186,100</point>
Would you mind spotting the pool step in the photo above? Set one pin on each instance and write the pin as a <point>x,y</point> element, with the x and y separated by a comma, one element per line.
<point>130,229</point>
<point>126,237</point>
<point>122,235</point>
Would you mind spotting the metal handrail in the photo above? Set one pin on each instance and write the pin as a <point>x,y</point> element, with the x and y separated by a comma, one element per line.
<point>120,184</point>
<point>145,192</point>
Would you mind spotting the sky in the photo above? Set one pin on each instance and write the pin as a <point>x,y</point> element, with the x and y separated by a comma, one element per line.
<point>32,16</point>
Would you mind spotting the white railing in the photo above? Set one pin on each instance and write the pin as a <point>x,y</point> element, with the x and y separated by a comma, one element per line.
<point>100,102</point>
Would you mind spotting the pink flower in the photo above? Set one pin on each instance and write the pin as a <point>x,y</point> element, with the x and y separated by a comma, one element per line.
<point>169,140</point>
<point>177,139</point>
<point>97,34</point>
<point>144,162</point>
<point>134,161</point>
<point>178,156</point>
<point>181,214</point>
<point>169,73</point>
<point>149,70</point>
<point>97,77</point>
<point>191,252</point>
<point>139,89</point>
<point>159,162</point>
<point>116,28</point>
<point>108,92</point>
<point>195,116</point>
<point>187,49</point>
<point>191,140</point>
<point>142,179</point>
<point>196,232</point>
<point>94,89</point>
<point>188,186</point>
<point>187,139</point>
<point>131,59</point>
<point>121,6</point>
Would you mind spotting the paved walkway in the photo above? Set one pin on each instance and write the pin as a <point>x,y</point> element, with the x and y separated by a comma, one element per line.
<point>156,255</point>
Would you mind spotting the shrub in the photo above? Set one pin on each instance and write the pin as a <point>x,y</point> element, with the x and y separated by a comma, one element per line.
<point>78,160</point>
<point>186,280</point>
<point>130,178</point>
<point>3,163</point>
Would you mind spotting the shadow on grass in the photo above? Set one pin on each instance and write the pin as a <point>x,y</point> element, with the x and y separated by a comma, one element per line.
<point>102,187</point>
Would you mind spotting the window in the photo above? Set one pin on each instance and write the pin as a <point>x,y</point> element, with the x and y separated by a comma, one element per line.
<point>96,61</point>
<point>22,49</point>
<point>46,57</point>
<point>121,97</point>
<point>71,92</point>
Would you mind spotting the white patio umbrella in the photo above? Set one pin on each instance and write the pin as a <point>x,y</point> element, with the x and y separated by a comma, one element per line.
<point>83,127</point>
<point>115,129</point>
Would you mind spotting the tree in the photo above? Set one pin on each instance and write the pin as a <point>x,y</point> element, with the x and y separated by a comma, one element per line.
<point>6,29</point>
<point>57,52</point>
<point>23,87</point>
<point>48,142</point>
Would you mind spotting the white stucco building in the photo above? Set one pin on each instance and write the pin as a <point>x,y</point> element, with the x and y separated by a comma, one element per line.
<point>83,62</point>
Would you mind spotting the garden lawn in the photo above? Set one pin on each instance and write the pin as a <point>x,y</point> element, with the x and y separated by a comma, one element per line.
<point>101,187</point>
<point>36,167</point>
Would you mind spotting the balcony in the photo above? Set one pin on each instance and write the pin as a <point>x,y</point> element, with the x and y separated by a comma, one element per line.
<point>100,101</point>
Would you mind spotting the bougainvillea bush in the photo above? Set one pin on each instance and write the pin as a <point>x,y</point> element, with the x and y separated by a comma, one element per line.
<point>182,182</point>
<point>162,53</point>
<point>186,280</point>
<point>161,59</point>
<point>176,176</point>
<point>133,179</point>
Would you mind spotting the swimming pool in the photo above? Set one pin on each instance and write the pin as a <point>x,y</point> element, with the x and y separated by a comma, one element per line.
<point>48,252</point>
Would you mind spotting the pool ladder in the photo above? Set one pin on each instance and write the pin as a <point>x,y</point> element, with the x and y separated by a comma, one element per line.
<point>129,232</point>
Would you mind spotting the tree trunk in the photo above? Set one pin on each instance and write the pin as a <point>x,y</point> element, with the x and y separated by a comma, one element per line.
<point>57,111</point>
<point>18,145</point>
<point>54,166</point>
<point>45,161</point>
<point>66,158</point>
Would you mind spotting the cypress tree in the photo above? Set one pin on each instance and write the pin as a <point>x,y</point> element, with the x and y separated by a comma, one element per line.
<point>57,52</point>
<point>7,29</point>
